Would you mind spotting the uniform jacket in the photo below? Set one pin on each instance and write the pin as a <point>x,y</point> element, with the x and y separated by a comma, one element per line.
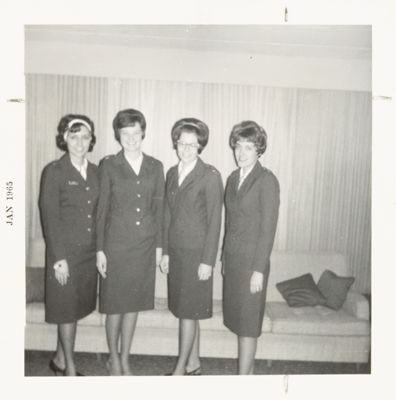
<point>252,216</point>
<point>130,206</point>
<point>68,208</point>
<point>193,211</point>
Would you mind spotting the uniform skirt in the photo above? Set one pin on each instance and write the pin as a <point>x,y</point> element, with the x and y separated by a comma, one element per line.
<point>130,281</point>
<point>188,297</point>
<point>76,299</point>
<point>243,312</point>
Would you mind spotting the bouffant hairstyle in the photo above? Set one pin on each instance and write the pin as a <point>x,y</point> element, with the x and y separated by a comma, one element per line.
<point>73,123</point>
<point>128,117</point>
<point>249,131</point>
<point>191,125</point>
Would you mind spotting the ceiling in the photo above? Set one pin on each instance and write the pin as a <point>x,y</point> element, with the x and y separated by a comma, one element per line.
<point>334,41</point>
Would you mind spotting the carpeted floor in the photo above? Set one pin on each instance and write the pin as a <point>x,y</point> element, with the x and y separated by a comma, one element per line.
<point>90,364</point>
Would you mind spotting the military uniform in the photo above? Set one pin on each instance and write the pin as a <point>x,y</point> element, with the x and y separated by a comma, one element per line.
<point>129,228</point>
<point>191,237</point>
<point>68,211</point>
<point>251,219</point>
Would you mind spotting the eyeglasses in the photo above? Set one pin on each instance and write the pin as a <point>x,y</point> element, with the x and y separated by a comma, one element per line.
<point>187,145</point>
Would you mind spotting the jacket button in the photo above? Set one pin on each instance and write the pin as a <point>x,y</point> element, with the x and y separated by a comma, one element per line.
<point>87,188</point>
<point>89,201</point>
<point>138,209</point>
<point>137,223</point>
<point>138,182</point>
<point>139,195</point>
<point>89,215</point>
<point>89,229</point>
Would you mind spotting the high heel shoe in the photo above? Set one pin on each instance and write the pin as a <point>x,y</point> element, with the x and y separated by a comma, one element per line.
<point>77,374</point>
<point>109,369</point>
<point>56,369</point>
<point>196,371</point>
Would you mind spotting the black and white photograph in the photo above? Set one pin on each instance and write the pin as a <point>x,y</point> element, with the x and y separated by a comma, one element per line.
<point>199,201</point>
<point>156,127</point>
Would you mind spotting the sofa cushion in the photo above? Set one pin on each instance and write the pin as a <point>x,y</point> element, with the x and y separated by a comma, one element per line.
<point>334,288</point>
<point>318,320</point>
<point>161,317</point>
<point>301,291</point>
<point>35,314</point>
<point>34,284</point>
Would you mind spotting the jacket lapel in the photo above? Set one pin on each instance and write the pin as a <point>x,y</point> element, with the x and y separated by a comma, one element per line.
<point>250,179</point>
<point>127,170</point>
<point>91,173</point>
<point>233,182</point>
<point>192,176</point>
<point>173,179</point>
<point>70,170</point>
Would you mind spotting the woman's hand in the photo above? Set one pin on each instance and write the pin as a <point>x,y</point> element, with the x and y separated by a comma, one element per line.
<point>256,282</point>
<point>61,272</point>
<point>204,272</point>
<point>164,264</point>
<point>101,263</point>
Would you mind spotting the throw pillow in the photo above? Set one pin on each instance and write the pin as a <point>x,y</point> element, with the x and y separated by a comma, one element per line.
<point>301,291</point>
<point>334,288</point>
<point>34,284</point>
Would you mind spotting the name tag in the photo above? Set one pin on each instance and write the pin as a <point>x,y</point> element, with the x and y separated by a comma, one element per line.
<point>73,183</point>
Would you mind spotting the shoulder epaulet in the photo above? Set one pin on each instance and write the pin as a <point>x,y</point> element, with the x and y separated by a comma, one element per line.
<point>211,168</point>
<point>153,160</point>
<point>53,164</point>
<point>107,158</point>
<point>268,174</point>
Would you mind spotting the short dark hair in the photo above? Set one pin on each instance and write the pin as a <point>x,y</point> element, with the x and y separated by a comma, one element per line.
<point>191,125</point>
<point>252,132</point>
<point>128,117</point>
<point>66,124</point>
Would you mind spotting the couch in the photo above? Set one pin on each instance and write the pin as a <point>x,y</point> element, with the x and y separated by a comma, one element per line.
<point>304,333</point>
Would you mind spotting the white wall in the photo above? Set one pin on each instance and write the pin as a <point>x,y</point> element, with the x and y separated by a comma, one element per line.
<point>52,57</point>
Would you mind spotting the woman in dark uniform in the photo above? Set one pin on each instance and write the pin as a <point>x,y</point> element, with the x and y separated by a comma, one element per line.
<point>68,200</point>
<point>129,235</point>
<point>252,203</point>
<point>193,203</point>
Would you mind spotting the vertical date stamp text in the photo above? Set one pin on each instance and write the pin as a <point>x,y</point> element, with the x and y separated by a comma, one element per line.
<point>9,207</point>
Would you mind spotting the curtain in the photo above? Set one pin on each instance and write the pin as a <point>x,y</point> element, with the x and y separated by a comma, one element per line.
<point>319,147</point>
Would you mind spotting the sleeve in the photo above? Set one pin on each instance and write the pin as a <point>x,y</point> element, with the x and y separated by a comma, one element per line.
<point>49,203</point>
<point>226,224</point>
<point>103,205</point>
<point>166,220</point>
<point>159,203</point>
<point>214,204</point>
<point>269,210</point>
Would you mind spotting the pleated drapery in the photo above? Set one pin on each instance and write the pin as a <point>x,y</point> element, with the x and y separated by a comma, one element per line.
<point>319,147</point>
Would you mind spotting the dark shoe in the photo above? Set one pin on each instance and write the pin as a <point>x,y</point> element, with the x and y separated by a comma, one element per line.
<point>56,369</point>
<point>77,374</point>
<point>196,371</point>
<point>168,374</point>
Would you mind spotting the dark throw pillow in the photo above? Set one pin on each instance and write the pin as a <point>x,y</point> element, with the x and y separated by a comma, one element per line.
<point>301,291</point>
<point>334,288</point>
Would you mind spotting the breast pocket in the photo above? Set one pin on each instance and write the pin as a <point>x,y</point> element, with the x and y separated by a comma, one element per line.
<point>70,194</point>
